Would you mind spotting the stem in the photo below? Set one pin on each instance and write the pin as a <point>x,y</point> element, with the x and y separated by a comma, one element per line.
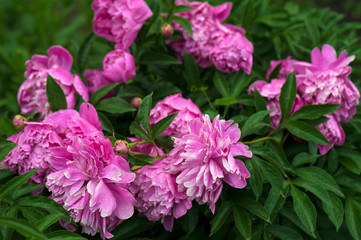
<point>284,139</point>
<point>226,111</point>
<point>135,168</point>
<point>156,149</point>
<point>209,101</point>
<point>258,140</point>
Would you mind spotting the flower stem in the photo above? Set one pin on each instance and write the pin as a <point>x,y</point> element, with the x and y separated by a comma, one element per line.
<point>258,140</point>
<point>209,101</point>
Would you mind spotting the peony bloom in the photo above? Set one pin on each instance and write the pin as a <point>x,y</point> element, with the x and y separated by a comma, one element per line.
<point>119,20</point>
<point>205,156</point>
<point>118,66</point>
<point>157,195</point>
<point>32,93</point>
<point>272,92</point>
<point>95,80</point>
<point>287,66</point>
<point>333,132</point>
<point>186,109</point>
<point>325,80</point>
<point>213,43</point>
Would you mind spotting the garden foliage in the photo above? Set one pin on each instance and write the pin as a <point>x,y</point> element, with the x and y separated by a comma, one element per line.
<point>181,120</point>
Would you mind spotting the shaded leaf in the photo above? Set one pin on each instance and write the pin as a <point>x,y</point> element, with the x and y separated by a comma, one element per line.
<point>243,222</point>
<point>64,235</point>
<point>47,221</point>
<point>23,227</point>
<point>162,125</point>
<point>55,94</point>
<point>306,132</point>
<point>115,105</point>
<point>16,182</point>
<point>144,112</point>
<point>184,23</point>
<point>221,84</point>
<point>220,217</point>
<point>101,92</point>
<point>254,123</point>
<point>288,96</point>
<point>312,112</point>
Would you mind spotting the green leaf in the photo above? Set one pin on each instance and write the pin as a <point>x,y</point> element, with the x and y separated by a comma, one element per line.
<point>26,188</point>
<point>349,180</point>
<point>288,212</point>
<point>191,72</point>
<point>304,208</point>
<point>274,74</point>
<point>138,131</point>
<point>184,23</point>
<point>4,173</point>
<point>101,92</point>
<point>259,101</point>
<point>84,51</point>
<point>31,213</point>
<point>131,227</point>
<point>272,174</point>
<point>227,101</point>
<point>106,123</point>
<point>320,177</point>
<point>55,94</point>
<point>16,182</point>
<point>162,125</point>
<point>303,158</point>
<point>151,57</point>
<point>144,112</point>
<point>256,181</point>
<point>312,112</point>
<point>274,202</point>
<point>248,14</point>
<point>115,105</point>
<point>350,159</point>
<point>239,84</point>
<point>64,235</point>
<point>306,132</point>
<point>254,207</point>
<point>5,148</point>
<point>47,221</point>
<point>273,154</point>
<point>284,233</point>
<point>180,8</point>
<point>243,222</point>
<point>44,203</point>
<point>353,218</point>
<point>140,159</point>
<point>191,219</point>
<point>221,84</point>
<point>254,123</point>
<point>220,217</point>
<point>288,96</point>
<point>23,227</point>
<point>6,211</point>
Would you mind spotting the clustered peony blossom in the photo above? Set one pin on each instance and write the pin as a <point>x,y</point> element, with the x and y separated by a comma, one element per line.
<point>96,80</point>
<point>186,109</point>
<point>223,45</point>
<point>32,93</point>
<point>118,66</point>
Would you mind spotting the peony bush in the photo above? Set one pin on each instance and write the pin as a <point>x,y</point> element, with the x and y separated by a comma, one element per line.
<point>187,120</point>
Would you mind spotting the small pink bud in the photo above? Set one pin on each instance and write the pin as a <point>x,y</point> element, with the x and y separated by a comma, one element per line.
<point>167,30</point>
<point>121,147</point>
<point>136,102</point>
<point>18,122</point>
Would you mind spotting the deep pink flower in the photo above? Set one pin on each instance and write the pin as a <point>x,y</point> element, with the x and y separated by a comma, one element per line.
<point>118,66</point>
<point>333,132</point>
<point>32,93</point>
<point>95,80</point>
<point>186,109</point>
<point>119,20</point>
<point>287,66</point>
<point>157,195</point>
<point>205,156</point>
<point>272,92</point>
<point>325,80</point>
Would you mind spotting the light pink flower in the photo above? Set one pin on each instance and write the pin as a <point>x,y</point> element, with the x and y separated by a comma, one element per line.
<point>186,109</point>
<point>157,196</point>
<point>205,157</point>
<point>95,80</point>
<point>325,80</point>
<point>32,93</point>
<point>118,66</point>
<point>333,132</point>
<point>287,66</point>
<point>272,92</point>
<point>119,20</point>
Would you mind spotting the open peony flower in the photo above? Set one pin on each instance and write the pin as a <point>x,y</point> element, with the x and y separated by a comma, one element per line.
<point>118,66</point>
<point>287,66</point>
<point>32,93</point>
<point>186,109</point>
<point>205,157</point>
<point>325,80</point>
<point>119,20</point>
<point>95,80</point>
<point>333,132</point>
<point>223,45</point>
<point>272,92</point>
<point>157,195</point>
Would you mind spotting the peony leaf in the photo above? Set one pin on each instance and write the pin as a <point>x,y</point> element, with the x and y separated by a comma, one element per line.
<point>47,221</point>
<point>5,148</point>
<point>115,105</point>
<point>144,112</point>
<point>242,221</point>
<point>16,182</point>
<point>254,123</point>
<point>303,158</point>
<point>259,101</point>
<point>254,207</point>
<point>221,216</point>
<point>55,94</point>
<point>178,9</point>
<point>191,219</point>
<point>84,51</point>
<point>26,188</point>
<point>306,132</point>
<point>288,96</point>
<point>162,125</point>
<point>101,92</point>
<point>140,159</point>
<point>221,84</point>
<point>283,232</point>
<point>313,112</point>
<point>274,74</point>
<point>23,227</point>
<point>4,173</point>
<point>64,235</point>
<point>350,159</point>
<point>151,57</point>
<point>138,131</point>
<point>191,72</point>
<point>353,217</point>
<point>184,23</point>
<point>274,202</point>
<point>256,180</point>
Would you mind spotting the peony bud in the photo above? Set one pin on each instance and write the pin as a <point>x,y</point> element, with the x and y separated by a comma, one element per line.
<point>167,30</point>
<point>121,147</point>
<point>18,122</point>
<point>136,102</point>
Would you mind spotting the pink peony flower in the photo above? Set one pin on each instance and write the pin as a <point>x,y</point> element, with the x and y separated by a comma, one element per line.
<point>272,92</point>
<point>333,132</point>
<point>287,66</point>
<point>32,93</point>
<point>205,156</point>
<point>157,196</point>
<point>119,20</point>
<point>118,66</point>
<point>95,80</point>
<point>186,109</point>
<point>325,80</point>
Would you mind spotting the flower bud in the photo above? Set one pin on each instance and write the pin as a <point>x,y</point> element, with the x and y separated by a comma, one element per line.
<point>136,102</point>
<point>167,30</point>
<point>18,122</point>
<point>120,147</point>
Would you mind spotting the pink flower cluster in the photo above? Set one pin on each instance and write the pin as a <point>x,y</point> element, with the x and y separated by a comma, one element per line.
<point>223,45</point>
<point>32,93</point>
<point>323,81</point>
